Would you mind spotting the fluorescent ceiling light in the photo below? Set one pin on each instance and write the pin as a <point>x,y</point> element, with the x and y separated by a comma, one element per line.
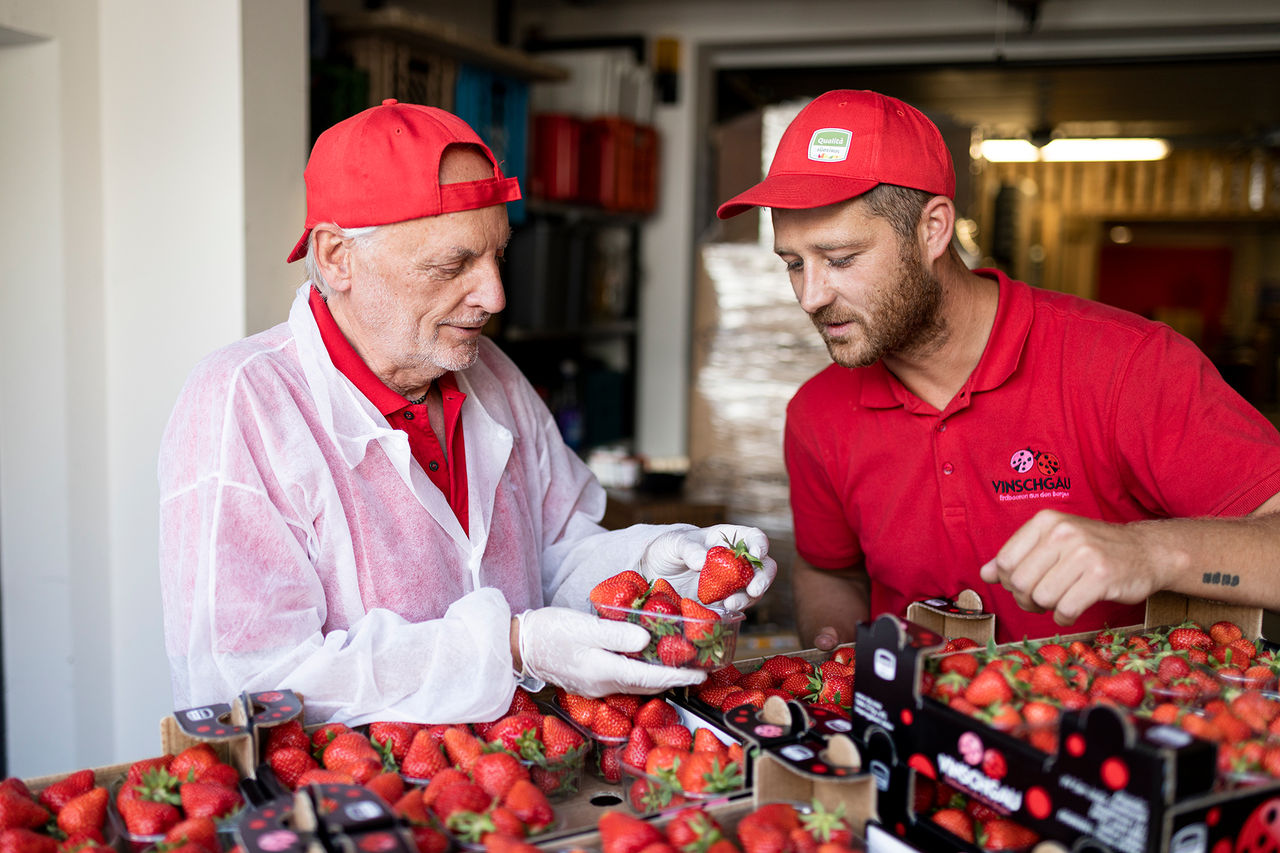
<point>1074,149</point>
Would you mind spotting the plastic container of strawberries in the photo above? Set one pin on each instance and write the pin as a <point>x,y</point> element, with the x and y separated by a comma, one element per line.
<point>683,641</point>
<point>648,794</point>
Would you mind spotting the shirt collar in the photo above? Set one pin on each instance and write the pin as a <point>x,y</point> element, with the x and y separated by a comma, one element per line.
<point>1000,358</point>
<point>352,366</point>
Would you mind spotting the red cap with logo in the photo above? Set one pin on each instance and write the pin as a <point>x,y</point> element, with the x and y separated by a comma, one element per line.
<point>842,144</point>
<point>383,165</point>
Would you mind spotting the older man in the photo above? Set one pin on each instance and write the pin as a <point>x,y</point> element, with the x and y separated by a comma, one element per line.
<point>369,504</point>
<point>1065,458</point>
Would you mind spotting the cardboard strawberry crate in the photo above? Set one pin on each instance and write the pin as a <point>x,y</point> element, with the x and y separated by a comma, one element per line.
<point>1114,782</point>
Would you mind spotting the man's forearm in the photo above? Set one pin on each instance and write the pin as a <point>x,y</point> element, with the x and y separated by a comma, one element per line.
<point>829,598</point>
<point>1232,560</point>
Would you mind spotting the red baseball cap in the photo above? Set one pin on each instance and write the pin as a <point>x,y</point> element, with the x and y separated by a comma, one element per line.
<point>842,144</point>
<point>383,165</point>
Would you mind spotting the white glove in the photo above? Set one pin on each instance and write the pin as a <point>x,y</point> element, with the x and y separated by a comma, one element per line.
<point>679,554</point>
<point>576,651</point>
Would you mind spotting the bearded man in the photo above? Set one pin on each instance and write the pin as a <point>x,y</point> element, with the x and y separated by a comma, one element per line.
<point>1063,458</point>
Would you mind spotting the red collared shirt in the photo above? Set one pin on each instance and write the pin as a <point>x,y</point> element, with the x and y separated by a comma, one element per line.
<point>445,466</point>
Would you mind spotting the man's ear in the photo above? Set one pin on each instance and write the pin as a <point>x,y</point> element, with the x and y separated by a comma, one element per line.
<point>937,224</point>
<point>333,257</point>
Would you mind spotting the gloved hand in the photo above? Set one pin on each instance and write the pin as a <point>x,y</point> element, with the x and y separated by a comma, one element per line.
<point>576,651</point>
<point>678,556</point>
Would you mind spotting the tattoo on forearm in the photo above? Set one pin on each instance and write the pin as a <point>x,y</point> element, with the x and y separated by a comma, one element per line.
<point>1221,579</point>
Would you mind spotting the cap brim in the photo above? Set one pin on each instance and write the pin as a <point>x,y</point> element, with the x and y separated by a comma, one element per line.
<point>795,192</point>
<point>299,250</point>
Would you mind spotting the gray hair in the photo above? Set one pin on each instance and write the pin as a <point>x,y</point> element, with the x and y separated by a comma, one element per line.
<point>362,237</point>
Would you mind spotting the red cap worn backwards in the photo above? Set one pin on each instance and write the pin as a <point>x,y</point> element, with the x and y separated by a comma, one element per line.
<point>842,144</point>
<point>383,165</point>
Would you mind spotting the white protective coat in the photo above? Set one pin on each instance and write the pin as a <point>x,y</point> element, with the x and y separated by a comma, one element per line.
<point>302,547</point>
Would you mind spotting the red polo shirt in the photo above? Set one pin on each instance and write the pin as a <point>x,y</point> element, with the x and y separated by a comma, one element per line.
<point>445,466</point>
<point>1074,406</point>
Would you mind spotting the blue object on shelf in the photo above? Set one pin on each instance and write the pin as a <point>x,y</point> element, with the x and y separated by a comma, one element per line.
<point>497,107</point>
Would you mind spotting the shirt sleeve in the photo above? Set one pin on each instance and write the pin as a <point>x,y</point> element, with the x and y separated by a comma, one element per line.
<point>824,537</point>
<point>1189,445</point>
<point>246,608</point>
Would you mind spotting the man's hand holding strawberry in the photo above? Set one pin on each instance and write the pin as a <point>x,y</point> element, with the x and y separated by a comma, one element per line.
<point>735,560</point>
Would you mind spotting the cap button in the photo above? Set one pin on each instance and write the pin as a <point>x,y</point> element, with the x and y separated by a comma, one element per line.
<point>386,102</point>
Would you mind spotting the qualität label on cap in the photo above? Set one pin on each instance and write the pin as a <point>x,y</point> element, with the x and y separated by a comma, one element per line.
<point>830,144</point>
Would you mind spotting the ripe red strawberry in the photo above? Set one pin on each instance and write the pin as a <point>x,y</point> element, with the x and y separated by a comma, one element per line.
<point>988,687</point>
<point>692,830</point>
<point>837,690</point>
<point>663,587</point>
<point>660,615</point>
<point>962,662</point>
<point>530,805</point>
<point>639,743</point>
<point>147,817</point>
<point>320,737</point>
<point>393,738</point>
<point>627,589</point>
<point>784,665</point>
<point>200,831</point>
<point>708,772</point>
<point>66,789</point>
<point>441,782</point>
<point>1189,637</point>
<point>623,833</point>
<point>17,810</point>
<point>200,799</point>
<point>347,749</point>
<point>496,772</point>
<point>85,814</point>
<point>1002,834</point>
<point>957,644</point>
<point>561,742</point>
<point>724,675</point>
<point>798,684</point>
<point>675,735</point>
<point>1125,688</point>
<point>290,733</point>
<point>190,762</point>
<point>462,747</point>
<point>425,758</point>
<point>21,840</point>
<point>754,698</point>
<point>727,569</point>
<point>674,650</point>
<point>461,797</point>
<point>656,712</point>
<point>1224,632</point>
<point>627,703</point>
<point>289,763</point>
<point>955,821</point>
<point>761,679</point>
<point>1172,667</point>
<point>581,709</point>
<point>701,624</point>
<point>388,784</point>
<point>609,722</point>
<point>518,734</point>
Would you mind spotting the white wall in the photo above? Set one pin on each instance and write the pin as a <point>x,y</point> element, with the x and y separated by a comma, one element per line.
<point>737,33</point>
<point>133,134</point>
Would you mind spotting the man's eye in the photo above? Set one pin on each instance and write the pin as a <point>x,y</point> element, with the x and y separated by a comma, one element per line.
<point>795,266</point>
<point>841,262</point>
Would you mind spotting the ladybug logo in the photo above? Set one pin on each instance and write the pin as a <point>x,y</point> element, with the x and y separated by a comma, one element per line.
<point>1023,460</point>
<point>1048,464</point>
<point>1045,462</point>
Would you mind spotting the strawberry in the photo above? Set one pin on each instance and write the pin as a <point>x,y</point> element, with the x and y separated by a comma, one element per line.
<point>705,740</point>
<point>140,768</point>
<point>827,826</point>
<point>1002,834</point>
<point>623,833</point>
<point>388,784</point>
<point>675,735</point>
<point>656,712</point>
<point>724,675</point>
<point>581,709</point>
<point>955,821</point>
<point>289,763</point>
<point>1224,632</point>
<point>147,817</point>
<point>761,679</point>
<point>837,690</point>
<point>660,615</point>
<point>713,694</point>
<point>988,687</point>
<point>561,742</point>
<point>609,722</point>
<point>754,698</point>
<point>462,747</point>
<point>1189,636</point>
<point>20,840</point>
<point>424,758</point>
<point>85,814</point>
<point>17,811</point>
<point>200,799</point>
<point>496,772</point>
<point>962,662</point>
<point>200,831</point>
<point>627,590</point>
<point>639,743</point>
<point>693,830</point>
<point>347,749</point>
<point>321,776</point>
<point>190,762</point>
<point>393,738</point>
<point>702,624</point>
<point>441,782</point>
<point>663,587</point>
<point>707,772</point>
<point>1125,688</point>
<point>530,805</point>
<point>219,774</point>
<point>461,797</point>
<point>289,733</point>
<point>675,651</point>
<point>798,684</point>
<point>66,789</point>
<point>784,665</point>
<point>726,569</point>
<point>320,737</point>
<point>627,703</point>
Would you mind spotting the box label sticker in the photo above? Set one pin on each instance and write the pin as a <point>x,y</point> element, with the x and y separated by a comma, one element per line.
<point>830,144</point>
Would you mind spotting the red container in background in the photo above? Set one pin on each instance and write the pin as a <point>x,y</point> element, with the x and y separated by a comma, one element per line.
<point>608,161</point>
<point>557,152</point>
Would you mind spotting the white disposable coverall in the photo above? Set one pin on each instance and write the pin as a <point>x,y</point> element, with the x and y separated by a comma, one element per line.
<point>302,547</point>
